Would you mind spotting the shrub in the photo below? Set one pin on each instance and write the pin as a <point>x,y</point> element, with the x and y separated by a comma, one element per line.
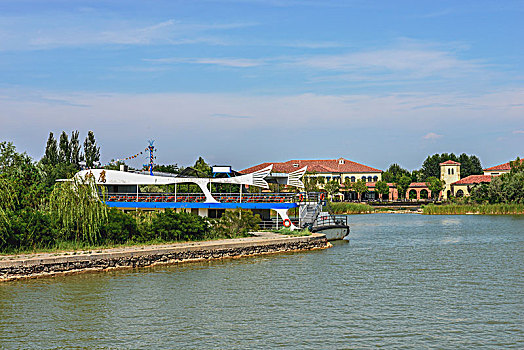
<point>236,223</point>
<point>173,226</point>
<point>119,228</point>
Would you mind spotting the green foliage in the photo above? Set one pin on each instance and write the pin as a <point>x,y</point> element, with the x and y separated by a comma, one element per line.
<point>51,152</point>
<point>202,167</point>
<point>402,185</point>
<point>360,187</point>
<point>349,208</point>
<point>332,187</point>
<point>311,182</point>
<point>435,185</point>
<point>485,209</point>
<point>64,151</point>
<point>119,228</point>
<point>77,208</point>
<point>236,223</point>
<point>172,226</point>
<point>394,173</point>
<point>75,148</point>
<point>382,188</point>
<point>92,152</point>
<point>171,168</point>
<point>469,165</point>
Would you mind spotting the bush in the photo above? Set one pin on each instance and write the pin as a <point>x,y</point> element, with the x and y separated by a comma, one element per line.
<point>173,226</point>
<point>119,228</point>
<point>237,223</point>
<point>350,208</point>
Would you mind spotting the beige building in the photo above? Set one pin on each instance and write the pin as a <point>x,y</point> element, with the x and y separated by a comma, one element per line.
<point>330,169</point>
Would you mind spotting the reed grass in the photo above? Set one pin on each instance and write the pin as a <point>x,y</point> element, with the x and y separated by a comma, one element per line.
<point>350,208</point>
<point>483,209</point>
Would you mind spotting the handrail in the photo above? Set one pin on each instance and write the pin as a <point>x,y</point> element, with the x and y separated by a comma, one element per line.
<point>283,197</point>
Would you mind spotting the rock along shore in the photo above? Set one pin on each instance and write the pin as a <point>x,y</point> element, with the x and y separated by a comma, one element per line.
<point>15,267</point>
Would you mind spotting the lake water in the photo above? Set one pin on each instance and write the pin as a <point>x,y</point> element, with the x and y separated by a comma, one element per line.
<point>403,281</point>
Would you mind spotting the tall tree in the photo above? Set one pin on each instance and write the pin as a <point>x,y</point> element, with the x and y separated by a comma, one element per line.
<point>51,151</point>
<point>382,188</point>
<point>431,166</point>
<point>202,166</point>
<point>402,185</point>
<point>394,173</point>
<point>332,187</point>
<point>64,151</point>
<point>91,151</point>
<point>76,148</point>
<point>435,185</point>
<point>360,187</point>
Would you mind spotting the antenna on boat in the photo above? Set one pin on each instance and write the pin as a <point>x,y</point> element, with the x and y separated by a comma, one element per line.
<point>151,149</point>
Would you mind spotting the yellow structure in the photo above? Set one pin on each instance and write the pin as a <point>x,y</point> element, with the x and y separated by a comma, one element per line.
<point>449,173</point>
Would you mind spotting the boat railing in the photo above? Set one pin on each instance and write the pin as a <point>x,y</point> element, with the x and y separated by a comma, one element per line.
<point>275,224</point>
<point>330,220</point>
<point>282,197</point>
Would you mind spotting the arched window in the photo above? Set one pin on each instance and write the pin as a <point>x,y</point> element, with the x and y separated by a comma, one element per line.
<point>375,178</point>
<point>364,178</point>
<point>460,193</point>
<point>452,171</point>
<point>370,179</point>
<point>353,179</point>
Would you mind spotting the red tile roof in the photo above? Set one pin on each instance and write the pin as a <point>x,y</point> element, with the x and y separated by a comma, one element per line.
<point>319,166</point>
<point>504,166</point>
<point>473,179</point>
<point>449,162</point>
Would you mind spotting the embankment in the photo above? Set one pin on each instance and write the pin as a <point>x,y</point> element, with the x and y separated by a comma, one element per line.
<point>41,265</point>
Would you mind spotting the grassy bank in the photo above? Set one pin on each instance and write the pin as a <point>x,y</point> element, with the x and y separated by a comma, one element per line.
<point>501,209</point>
<point>350,208</point>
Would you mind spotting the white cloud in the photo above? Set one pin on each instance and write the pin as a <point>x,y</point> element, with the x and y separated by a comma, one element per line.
<point>518,131</point>
<point>432,136</point>
<point>226,62</point>
<point>49,32</point>
<point>251,128</point>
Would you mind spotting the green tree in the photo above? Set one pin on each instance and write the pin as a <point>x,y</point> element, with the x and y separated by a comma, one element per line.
<point>78,210</point>
<point>76,149</point>
<point>435,185</point>
<point>91,151</point>
<point>402,185</point>
<point>64,150</point>
<point>332,187</point>
<point>51,151</point>
<point>394,173</point>
<point>360,187</point>
<point>172,226</point>
<point>382,188</point>
<point>236,223</point>
<point>202,167</point>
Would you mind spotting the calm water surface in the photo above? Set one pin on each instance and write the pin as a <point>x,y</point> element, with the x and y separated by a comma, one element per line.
<point>403,281</point>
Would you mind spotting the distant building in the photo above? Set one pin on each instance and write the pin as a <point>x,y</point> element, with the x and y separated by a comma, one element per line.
<point>330,169</point>
<point>499,169</point>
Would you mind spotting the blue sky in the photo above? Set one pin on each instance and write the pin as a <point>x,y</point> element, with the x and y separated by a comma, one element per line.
<point>241,82</point>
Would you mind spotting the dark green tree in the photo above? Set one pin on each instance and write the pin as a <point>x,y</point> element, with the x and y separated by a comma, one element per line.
<point>360,187</point>
<point>91,151</point>
<point>51,151</point>
<point>394,173</point>
<point>76,149</point>
<point>332,187</point>
<point>382,188</point>
<point>435,185</point>
<point>64,151</point>
<point>431,166</point>
<point>202,167</point>
<point>402,185</point>
<point>469,165</point>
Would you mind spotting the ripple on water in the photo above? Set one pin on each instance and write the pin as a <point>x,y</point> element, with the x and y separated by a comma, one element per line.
<point>403,281</point>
